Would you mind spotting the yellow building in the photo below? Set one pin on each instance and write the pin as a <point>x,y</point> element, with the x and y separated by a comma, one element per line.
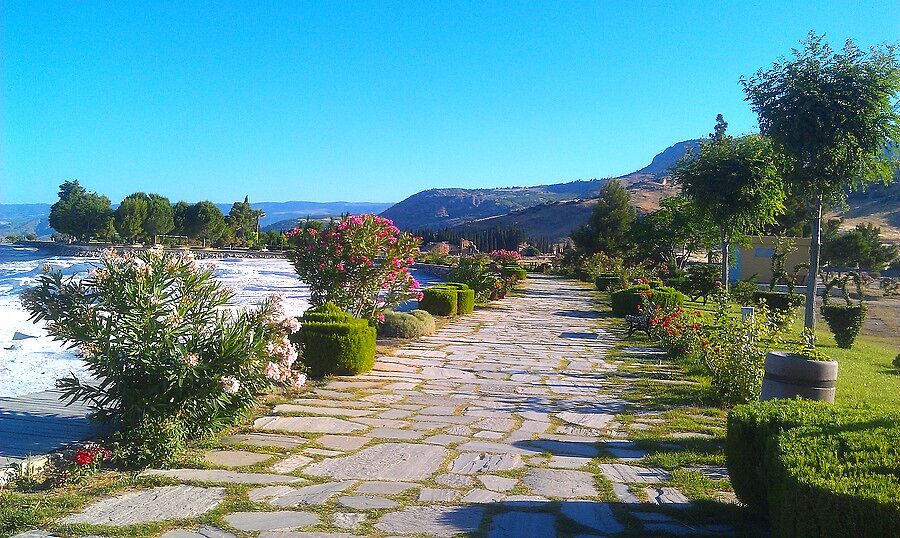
<point>757,259</point>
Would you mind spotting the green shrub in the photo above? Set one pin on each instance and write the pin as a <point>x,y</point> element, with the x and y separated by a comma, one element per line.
<point>439,301</point>
<point>338,347</point>
<point>837,478</point>
<point>742,291</point>
<point>326,312</point>
<point>702,279</point>
<point>844,322</point>
<point>401,325</point>
<point>655,283</point>
<point>681,283</point>
<point>154,441</point>
<point>816,469</point>
<point>607,281</point>
<point>514,270</point>
<point>666,297</point>
<point>629,300</point>
<point>465,297</point>
<point>426,319</point>
<point>897,361</point>
<point>778,301</point>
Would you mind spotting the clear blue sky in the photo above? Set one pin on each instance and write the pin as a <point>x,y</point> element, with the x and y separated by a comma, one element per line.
<point>374,101</point>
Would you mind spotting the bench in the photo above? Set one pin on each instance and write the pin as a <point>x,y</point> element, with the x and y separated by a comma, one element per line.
<point>640,322</point>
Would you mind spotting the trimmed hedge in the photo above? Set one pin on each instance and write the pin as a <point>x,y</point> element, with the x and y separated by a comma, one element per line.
<point>345,347</point>
<point>326,312</point>
<point>779,300</point>
<point>844,322</point>
<point>439,301</point>
<point>465,297</point>
<point>606,281</point>
<point>627,301</point>
<point>817,469</point>
<point>514,270</point>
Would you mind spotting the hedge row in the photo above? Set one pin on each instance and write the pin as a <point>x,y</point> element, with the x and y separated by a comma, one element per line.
<point>629,300</point>
<point>779,301</point>
<point>448,299</point>
<point>605,281</point>
<point>336,343</point>
<point>817,469</point>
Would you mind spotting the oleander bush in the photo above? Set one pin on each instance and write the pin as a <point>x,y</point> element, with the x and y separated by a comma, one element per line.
<point>742,291</point>
<point>439,301</point>
<point>426,319</point>
<point>338,346</point>
<point>817,469</point>
<point>402,325</point>
<point>845,322</point>
<point>629,300</point>
<point>607,281</point>
<point>167,356</point>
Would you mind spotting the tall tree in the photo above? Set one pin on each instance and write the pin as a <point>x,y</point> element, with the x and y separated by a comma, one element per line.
<point>861,247</point>
<point>832,115</point>
<point>160,216</point>
<point>80,214</point>
<point>181,218</point>
<point>130,216</point>
<point>607,229</point>
<point>736,182</point>
<point>244,220</point>
<point>206,221</point>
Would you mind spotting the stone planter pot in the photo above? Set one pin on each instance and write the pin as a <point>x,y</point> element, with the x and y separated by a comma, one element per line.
<point>788,376</point>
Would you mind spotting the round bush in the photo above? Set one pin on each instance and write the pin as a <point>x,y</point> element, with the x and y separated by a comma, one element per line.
<point>401,325</point>
<point>439,301</point>
<point>338,347</point>
<point>326,312</point>
<point>426,319</point>
<point>514,270</point>
<point>666,297</point>
<point>778,301</point>
<point>606,281</point>
<point>844,322</point>
<point>628,301</point>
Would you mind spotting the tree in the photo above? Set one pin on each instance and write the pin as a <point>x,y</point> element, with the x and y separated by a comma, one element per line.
<point>206,221</point>
<point>736,182</point>
<point>831,114</point>
<point>861,247</point>
<point>607,229</point>
<point>130,216</point>
<point>673,232</point>
<point>80,214</point>
<point>180,218</point>
<point>160,216</point>
<point>244,220</point>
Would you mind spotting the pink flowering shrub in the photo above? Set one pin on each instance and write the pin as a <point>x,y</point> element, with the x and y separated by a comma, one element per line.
<point>166,359</point>
<point>361,264</point>
<point>75,465</point>
<point>505,256</point>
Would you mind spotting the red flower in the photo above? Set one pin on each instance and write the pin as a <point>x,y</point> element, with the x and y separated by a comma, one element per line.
<point>83,457</point>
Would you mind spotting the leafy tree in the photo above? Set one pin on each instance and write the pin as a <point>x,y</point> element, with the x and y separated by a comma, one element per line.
<point>673,232</point>
<point>736,183</point>
<point>160,216</point>
<point>181,218</point>
<point>130,216</point>
<point>244,220</point>
<point>80,214</point>
<point>861,247</point>
<point>206,221</point>
<point>831,114</point>
<point>607,229</point>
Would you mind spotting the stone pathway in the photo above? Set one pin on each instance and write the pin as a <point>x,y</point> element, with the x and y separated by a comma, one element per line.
<point>488,427</point>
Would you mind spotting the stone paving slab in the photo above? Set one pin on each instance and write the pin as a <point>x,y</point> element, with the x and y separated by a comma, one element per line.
<point>307,424</point>
<point>386,461</point>
<point>432,520</point>
<point>216,475</point>
<point>157,504</point>
<point>234,458</point>
<point>271,521</point>
<point>518,524</point>
<point>265,440</point>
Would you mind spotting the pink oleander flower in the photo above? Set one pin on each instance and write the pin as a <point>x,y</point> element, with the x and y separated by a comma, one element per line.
<point>191,359</point>
<point>291,324</point>
<point>230,384</point>
<point>272,371</point>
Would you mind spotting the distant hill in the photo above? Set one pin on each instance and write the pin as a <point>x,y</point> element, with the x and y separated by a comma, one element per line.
<point>23,219</point>
<point>536,210</point>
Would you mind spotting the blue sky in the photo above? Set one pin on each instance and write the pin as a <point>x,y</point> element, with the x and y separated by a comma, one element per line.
<point>374,101</point>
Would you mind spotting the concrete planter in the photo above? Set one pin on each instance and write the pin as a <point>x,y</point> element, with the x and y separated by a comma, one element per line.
<point>788,376</point>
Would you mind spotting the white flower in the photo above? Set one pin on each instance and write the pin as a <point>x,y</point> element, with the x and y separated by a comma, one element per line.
<point>291,324</point>
<point>191,359</point>
<point>299,380</point>
<point>272,371</point>
<point>230,384</point>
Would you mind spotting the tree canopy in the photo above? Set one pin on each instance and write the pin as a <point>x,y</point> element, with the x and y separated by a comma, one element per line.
<point>673,232</point>
<point>79,213</point>
<point>608,228</point>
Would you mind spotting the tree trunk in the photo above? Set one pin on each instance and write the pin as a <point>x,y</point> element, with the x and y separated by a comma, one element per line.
<point>813,276</point>
<point>724,260</point>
